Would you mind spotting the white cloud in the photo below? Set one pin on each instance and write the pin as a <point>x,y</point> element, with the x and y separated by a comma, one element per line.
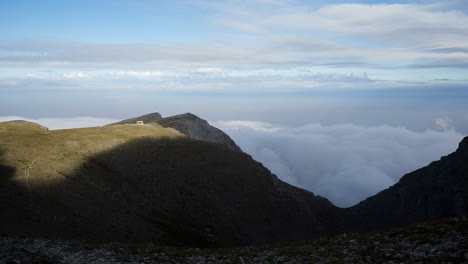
<point>444,124</point>
<point>144,74</point>
<point>75,75</point>
<point>344,163</point>
<point>413,24</point>
<point>65,122</point>
<point>210,70</point>
<point>254,125</point>
<point>403,33</point>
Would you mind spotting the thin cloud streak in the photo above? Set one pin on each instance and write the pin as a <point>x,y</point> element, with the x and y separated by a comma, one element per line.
<point>280,52</point>
<point>212,80</point>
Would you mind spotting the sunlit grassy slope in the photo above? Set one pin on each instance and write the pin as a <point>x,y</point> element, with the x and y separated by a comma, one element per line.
<point>40,155</point>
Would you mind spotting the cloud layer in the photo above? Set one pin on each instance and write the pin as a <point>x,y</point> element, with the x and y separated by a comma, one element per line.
<point>64,123</point>
<point>344,163</point>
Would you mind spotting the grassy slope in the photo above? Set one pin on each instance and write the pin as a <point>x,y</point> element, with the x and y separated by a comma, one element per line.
<point>41,156</point>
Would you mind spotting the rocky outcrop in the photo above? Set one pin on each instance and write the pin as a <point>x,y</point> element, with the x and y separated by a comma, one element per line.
<point>188,124</point>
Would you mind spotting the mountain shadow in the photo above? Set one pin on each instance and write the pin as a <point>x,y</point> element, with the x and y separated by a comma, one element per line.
<point>179,192</point>
<point>6,172</point>
<point>11,195</point>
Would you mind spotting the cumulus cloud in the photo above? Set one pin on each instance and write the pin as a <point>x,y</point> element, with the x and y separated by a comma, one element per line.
<point>344,163</point>
<point>64,123</point>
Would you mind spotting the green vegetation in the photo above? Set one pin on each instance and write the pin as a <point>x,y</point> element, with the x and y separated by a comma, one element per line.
<point>40,155</point>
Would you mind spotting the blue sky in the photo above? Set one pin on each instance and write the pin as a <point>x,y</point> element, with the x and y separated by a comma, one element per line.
<point>160,43</point>
<point>339,97</point>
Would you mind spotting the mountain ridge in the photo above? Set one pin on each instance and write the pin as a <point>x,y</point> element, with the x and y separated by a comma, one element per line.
<point>188,124</point>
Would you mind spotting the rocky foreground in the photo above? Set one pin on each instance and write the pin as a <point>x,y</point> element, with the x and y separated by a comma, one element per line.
<point>444,241</point>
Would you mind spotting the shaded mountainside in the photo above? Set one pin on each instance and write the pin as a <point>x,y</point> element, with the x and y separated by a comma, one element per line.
<point>438,190</point>
<point>188,124</point>
<point>154,184</point>
<point>148,183</point>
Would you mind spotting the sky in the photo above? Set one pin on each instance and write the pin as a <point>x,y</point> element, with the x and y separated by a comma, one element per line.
<point>265,71</point>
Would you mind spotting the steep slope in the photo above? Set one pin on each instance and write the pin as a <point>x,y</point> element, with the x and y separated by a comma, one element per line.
<point>436,191</point>
<point>189,125</point>
<point>148,183</point>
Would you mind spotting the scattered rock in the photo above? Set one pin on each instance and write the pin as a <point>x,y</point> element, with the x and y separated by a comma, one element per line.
<point>449,244</point>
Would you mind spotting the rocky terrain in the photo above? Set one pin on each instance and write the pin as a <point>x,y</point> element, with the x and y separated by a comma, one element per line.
<point>188,124</point>
<point>440,242</point>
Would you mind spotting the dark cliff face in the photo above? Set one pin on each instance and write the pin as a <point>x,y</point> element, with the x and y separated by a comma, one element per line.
<point>438,190</point>
<point>188,124</point>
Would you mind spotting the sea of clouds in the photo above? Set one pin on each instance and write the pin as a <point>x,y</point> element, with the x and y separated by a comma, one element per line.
<point>345,163</point>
